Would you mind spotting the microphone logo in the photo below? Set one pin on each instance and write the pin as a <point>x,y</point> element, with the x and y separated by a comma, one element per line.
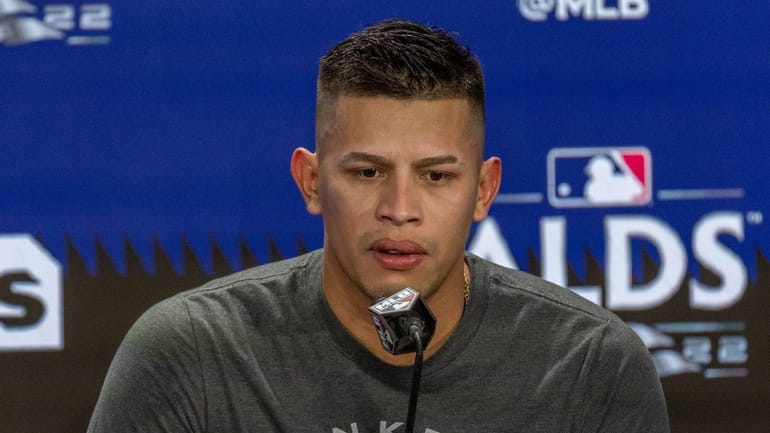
<point>389,313</point>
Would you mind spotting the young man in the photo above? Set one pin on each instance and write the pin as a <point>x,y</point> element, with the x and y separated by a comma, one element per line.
<point>398,176</point>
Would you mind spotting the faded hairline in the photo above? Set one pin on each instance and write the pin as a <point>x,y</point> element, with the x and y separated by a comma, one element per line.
<point>326,119</point>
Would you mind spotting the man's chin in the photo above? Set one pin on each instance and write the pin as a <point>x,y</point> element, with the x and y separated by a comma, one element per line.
<point>375,292</point>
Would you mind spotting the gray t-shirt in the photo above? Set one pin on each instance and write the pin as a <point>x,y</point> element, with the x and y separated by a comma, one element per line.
<point>261,351</point>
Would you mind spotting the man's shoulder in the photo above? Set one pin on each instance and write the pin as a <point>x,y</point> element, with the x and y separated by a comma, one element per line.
<point>507,282</point>
<point>248,292</point>
<point>270,274</point>
<point>549,306</point>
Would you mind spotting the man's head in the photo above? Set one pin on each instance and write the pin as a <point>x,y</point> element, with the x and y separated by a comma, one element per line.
<point>402,60</point>
<point>398,174</point>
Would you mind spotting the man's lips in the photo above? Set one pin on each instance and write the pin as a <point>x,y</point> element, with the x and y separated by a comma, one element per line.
<point>397,255</point>
<point>397,247</point>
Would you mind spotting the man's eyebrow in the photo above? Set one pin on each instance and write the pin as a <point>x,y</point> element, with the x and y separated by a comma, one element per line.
<point>385,162</point>
<point>366,157</point>
<point>435,160</point>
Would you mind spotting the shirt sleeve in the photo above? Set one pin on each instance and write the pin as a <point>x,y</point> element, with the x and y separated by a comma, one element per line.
<point>154,382</point>
<point>632,399</point>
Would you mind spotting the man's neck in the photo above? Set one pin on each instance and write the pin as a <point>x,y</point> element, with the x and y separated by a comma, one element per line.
<point>351,309</point>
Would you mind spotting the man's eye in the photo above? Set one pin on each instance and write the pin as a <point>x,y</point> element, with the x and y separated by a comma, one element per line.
<point>368,172</point>
<point>436,176</point>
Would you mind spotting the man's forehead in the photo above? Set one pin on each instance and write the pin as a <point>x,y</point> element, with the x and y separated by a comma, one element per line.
<point>352,114</point>
<point>345,102</point>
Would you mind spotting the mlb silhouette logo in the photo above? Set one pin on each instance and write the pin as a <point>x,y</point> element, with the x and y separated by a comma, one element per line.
<point>599,177</point>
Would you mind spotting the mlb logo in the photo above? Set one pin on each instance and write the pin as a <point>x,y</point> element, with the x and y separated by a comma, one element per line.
<point>599,177</point>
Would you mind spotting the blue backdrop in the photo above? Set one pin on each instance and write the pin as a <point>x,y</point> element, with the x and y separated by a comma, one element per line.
<point>168,126</point>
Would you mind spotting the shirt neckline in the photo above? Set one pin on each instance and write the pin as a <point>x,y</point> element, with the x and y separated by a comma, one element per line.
<point>394,375</point>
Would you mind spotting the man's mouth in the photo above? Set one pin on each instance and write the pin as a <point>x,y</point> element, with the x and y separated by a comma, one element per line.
<point>389,246</point>
<point>398,255</point>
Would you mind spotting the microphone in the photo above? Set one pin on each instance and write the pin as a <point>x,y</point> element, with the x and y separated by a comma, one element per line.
<point>405,324</point>
<point>397,318</point>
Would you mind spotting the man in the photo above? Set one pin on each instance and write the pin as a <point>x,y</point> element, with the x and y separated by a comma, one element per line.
<point>398,176</point>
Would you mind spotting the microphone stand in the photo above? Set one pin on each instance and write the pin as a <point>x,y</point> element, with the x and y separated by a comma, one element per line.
<point>416,375</point>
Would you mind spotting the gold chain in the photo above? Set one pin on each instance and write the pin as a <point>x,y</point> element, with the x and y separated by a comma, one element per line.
<point>466,287</point>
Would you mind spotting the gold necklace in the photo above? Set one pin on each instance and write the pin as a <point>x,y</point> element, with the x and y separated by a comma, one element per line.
<point>466,287</point>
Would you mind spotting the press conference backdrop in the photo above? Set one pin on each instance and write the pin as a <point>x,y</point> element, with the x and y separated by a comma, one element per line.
<point>144,149</point>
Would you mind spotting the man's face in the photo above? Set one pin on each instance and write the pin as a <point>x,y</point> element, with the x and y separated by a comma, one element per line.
<point>398,184</point>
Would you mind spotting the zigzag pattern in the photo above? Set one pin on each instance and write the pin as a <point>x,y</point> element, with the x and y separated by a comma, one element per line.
<point>161,263</point>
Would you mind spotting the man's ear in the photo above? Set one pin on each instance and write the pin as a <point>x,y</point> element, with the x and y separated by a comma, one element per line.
<point>304,170</point>
<point>489,184</point>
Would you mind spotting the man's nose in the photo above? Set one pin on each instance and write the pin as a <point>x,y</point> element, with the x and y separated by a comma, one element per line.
<point>400,201</point>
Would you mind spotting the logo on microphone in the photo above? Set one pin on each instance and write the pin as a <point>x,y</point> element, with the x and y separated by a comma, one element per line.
<point>381,325</point>
<point>599,177</point>
<point>400,301</point>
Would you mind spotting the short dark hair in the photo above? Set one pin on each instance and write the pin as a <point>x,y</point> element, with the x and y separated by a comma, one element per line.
<point>401,59</point>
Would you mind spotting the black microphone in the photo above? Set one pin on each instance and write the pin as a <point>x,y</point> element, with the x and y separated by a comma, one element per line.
<point>398,317</point>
